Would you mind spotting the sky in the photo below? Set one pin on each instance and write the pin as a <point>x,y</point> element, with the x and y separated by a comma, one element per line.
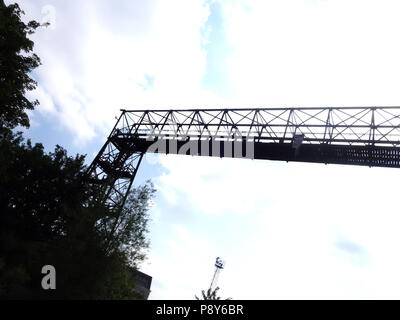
<point>284,230</point>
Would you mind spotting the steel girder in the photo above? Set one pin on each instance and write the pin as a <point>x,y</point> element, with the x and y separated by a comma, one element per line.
<point>367,136</point>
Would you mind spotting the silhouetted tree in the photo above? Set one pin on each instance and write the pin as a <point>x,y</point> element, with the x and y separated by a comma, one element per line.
<point>46,217</point>
<point>16,62</point>
<point>210,295</point>
<point>126,231</point>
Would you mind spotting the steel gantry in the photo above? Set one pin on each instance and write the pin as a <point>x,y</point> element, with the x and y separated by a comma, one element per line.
<point>366,136</point>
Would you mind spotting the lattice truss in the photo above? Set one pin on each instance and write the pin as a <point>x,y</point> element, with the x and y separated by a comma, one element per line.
<point>345,126</point>
<point>359,136</point>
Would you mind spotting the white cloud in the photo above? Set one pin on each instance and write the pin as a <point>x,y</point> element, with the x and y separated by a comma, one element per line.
<point>290,230</point>
<point>98,56</point>
<point>314,53</point>
<point>46,102</point>
<point>176,274</point>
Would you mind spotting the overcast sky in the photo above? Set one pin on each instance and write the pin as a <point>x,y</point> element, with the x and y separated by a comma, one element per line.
<point>285,230</point>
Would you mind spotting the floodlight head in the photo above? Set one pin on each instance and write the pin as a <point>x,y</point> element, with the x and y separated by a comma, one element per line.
<point>219,263</point>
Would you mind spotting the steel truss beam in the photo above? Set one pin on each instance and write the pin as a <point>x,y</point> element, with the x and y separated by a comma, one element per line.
<point>368,136</point>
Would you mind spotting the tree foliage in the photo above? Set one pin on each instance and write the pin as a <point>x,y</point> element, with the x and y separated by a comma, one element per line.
<point>16,63</point>
<point>47,217</point>
<point>127,232</point>
<point>210,295</point>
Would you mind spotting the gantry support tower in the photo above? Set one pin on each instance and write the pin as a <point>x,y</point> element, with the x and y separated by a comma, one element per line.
<point>365,136</point>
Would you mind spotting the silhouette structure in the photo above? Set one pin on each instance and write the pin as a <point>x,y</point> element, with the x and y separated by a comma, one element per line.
<point>366,136</point>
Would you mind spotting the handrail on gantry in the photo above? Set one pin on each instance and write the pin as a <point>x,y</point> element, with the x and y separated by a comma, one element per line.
<point>261,108</point>
<point>329,125</point>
